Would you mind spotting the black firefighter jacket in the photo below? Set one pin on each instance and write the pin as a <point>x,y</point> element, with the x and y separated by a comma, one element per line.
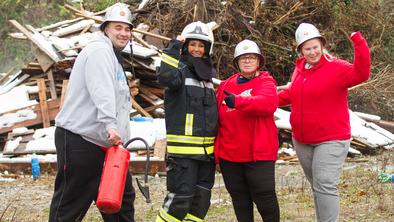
<point>190,108</point>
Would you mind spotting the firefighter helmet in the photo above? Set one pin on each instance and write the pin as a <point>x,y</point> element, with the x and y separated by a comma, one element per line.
<point>200,31</point>
<point>118,12</point>
<point>305,32</point>
<point>247,47</point>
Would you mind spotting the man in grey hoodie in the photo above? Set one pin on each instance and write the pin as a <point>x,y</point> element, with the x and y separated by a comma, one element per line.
<point>95,115</point>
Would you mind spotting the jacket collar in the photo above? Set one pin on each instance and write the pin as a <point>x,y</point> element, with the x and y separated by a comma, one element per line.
<point>260,73</point>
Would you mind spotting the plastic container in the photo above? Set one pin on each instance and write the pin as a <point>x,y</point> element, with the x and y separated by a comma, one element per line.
<point>386,177</point>
<point>35,167</point>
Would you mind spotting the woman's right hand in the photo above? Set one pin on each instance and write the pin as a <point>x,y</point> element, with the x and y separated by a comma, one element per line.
<point>180,38</point>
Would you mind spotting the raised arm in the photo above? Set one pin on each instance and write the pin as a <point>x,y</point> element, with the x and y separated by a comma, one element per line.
<point>169,74</point>
<point>359,71</point>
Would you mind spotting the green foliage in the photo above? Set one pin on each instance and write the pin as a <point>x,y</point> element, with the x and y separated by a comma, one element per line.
<point>13,53</point>
<point>38,14</point>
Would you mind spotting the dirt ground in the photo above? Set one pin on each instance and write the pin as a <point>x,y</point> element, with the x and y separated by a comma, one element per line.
<point>363,197</point>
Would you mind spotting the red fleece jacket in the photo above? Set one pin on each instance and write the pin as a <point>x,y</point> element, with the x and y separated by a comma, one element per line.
<point>247,132</point>
<point>318,96</point>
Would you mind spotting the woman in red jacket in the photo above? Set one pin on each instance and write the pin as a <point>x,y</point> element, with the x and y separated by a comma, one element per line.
<point>247,142</point>
<point>319,112</point>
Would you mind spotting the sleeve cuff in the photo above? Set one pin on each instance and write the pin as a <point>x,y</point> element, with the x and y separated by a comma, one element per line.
<point>110,126</point>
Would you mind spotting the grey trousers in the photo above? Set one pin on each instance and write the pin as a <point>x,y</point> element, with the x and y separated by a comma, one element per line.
<point>322,164</point>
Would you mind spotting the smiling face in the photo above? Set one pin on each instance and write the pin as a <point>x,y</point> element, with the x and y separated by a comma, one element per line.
<point>119,33</point>
<point>196,48</point>
<point>248,64</point>
<point>312,51</point>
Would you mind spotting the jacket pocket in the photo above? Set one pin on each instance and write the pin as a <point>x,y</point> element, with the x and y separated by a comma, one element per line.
<point>176,175</point>
<point>195,97</point>
<point>295,122</point>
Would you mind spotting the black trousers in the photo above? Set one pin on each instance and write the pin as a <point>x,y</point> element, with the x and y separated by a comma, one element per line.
<point>189,183</point>
<point>80,164</point>
<point>248,183</point>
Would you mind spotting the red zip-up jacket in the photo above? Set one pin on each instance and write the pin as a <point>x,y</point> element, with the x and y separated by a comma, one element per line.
<point>247,132</point>
<point>318,96</point>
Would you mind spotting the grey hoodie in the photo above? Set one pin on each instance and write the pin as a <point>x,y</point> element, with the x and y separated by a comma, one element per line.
<point>98,97</point>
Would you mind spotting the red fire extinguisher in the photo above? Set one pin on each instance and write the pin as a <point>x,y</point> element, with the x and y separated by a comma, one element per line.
<point>113,179</point>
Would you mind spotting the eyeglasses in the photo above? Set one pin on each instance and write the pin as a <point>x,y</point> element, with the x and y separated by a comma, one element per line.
<point>250,58</point>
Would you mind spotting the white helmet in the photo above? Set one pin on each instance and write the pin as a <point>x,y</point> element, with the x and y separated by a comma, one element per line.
<point>200,31</point>
<point>247,47</point>
<point>118,12</point>
<point>305,32</point>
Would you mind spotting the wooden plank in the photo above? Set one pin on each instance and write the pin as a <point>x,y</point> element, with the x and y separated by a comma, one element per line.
<point>387,125</point>
<point>145,90</point>
<point>17,35</point>
<point>151,108</point>
<point>140,40</point>
<point>35,64</point>
<point>147,98</point>
<point>52,87</point>
<point>159,148</point>
<point>21,148</point>
<point>5,77</point>
<point>64,90</point>
<point>14,83</point>
<point>86,28</point>
<point>43,59</point>
<point>43,102</point>
<point>53,107</point>
<point>157,91</point>
<point>148,109</point>
<point>59,24</point>
<point>154,35</point>
<point>139,108</point>
<point>11,136</point>
<point>31,37</point>
<point>32,70</point>
<point>75,28</point>
<point>99,20</point>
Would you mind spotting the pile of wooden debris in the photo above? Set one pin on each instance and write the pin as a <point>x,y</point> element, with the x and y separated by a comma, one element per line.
<point>36,91</point>
<point>44,79</point>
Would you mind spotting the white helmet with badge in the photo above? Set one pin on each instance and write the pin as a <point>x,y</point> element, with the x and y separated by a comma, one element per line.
<point>201,31</point>
<point>118,12</point>
<point>305,32</point>
<point>247,47</point>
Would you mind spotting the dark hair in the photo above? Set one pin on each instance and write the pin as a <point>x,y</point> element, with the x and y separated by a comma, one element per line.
<point>207,47</point>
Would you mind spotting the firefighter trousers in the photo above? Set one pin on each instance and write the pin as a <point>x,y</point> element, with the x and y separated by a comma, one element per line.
<point>80,164</point>
<point>189,184</point>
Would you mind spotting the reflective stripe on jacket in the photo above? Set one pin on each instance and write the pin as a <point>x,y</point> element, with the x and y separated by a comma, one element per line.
<point>190,107</point>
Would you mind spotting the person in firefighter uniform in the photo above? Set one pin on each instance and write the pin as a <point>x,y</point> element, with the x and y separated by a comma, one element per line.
<point>186,71</point>
<point>247,142</point>
<point>319,112</point>
<point>95,115</point>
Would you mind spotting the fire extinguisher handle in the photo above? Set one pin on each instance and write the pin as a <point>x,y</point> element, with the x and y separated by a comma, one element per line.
<point>147,164</point>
